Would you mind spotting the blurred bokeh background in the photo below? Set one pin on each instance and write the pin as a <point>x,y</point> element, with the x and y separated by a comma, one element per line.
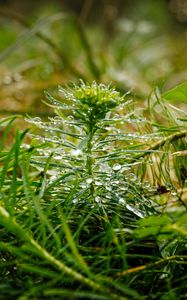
<point>137,45</point>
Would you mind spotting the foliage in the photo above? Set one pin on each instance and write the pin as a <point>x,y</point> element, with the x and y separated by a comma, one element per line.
<point>178,92</point>
<point>93,207</point>
<point>134,46</point>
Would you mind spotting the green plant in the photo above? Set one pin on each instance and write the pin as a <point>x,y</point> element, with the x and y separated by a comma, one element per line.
<point>80,216</point>
<point>79,143</point>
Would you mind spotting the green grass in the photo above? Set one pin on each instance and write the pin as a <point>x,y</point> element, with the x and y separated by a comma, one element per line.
<point>93,207</point>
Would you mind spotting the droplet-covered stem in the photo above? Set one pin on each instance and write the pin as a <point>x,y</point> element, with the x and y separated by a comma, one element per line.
<point>89,152</point>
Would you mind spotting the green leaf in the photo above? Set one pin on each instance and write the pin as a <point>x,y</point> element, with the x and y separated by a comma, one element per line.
<point>152,225</point>
<point>56,102</point>
<point>178,93</point>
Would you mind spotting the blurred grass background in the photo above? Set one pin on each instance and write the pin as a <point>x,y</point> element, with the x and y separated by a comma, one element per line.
<point>137,45</point>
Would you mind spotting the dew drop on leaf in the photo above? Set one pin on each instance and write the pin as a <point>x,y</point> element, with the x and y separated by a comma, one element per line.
<point>76,152</point>
<point>89,180</point>
<point>116,167</point>
<point>98,183</point>
<point>58,157</point>
<point>97,199</point>
<point>121,201</point>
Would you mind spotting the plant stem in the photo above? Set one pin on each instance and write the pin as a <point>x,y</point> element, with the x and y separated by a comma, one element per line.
<point>89,158</point>
<point>169,139</point>
<point>89,162</point>
<point>152,265</point>
<point>157,145</point>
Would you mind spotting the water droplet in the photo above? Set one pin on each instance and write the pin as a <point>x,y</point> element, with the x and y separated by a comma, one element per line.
<point>126,168</point>
<point>58,157</point>
<point>57,119</point>
<point>75,201</point>
<point>83,185</point>
<point>97,199</point>
<point>174,193</point>
<point>104,201</point>
<point>89,180</point>
<point>53,178</point>
<point>98,183</point>
<point>121,201</point>
<point>25,146</point>
<point>109,188</point>
<point>124,188</point>
<point>132,177</point>
<point>115,182</point>
<point>135,211</point>
<point>52,172</point>
<point>70,118</point>
<point>76,152</point>
<point>116,167</point>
